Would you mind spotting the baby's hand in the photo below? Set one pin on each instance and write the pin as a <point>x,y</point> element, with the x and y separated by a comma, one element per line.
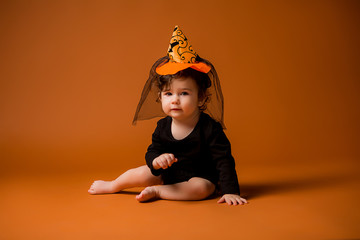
<point>232,199</point>
<point>164,161</point>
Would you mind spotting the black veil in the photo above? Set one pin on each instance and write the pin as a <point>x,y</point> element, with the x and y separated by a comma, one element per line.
<point>150,107</point>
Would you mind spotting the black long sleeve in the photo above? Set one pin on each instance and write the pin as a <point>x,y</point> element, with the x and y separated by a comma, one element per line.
<point>154,150</point>
<point>220,149</point>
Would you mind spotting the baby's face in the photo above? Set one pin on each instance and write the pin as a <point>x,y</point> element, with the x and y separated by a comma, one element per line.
<point>180,100</point>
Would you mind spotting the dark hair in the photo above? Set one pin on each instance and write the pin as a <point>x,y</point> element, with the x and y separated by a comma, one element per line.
<point>201,79</point>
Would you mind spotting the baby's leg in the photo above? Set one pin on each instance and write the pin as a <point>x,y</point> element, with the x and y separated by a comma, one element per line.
<point>194,189</point>
<point>136,177</point>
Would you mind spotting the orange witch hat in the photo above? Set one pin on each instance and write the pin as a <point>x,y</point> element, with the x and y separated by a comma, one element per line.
<point>181,55</point>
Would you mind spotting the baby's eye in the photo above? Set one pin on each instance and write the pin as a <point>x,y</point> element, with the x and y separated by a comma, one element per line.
<point>184,93</point>
<point>167,93</point>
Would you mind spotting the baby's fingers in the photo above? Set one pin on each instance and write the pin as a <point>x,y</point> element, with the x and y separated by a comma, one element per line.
<point>232,199</point>
<point>162,163</point>
<point>243,200</point>
<point>228,201</point>
<point>170,158</point>
<point>221,200</point>
<point>239,201</point>
<point>172,161</point>
<point>165,161</point>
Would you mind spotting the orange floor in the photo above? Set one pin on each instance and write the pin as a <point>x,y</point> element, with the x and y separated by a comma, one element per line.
<point>286,202</point>
<point>71,74</point>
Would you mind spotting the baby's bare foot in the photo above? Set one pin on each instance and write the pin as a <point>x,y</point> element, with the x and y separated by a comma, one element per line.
<point>149,193</point>
<point>101,187</point>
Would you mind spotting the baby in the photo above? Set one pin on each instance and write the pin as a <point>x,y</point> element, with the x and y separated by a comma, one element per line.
<point>190,156</point>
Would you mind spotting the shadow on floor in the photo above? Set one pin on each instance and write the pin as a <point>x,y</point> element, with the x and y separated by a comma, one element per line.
<point>251,191</point>
<point>128,192</point>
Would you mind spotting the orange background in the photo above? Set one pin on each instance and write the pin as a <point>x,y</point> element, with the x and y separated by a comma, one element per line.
<point>71,74</point>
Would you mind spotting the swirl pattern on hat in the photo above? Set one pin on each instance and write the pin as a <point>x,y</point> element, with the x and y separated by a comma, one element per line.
<point>180,50</point>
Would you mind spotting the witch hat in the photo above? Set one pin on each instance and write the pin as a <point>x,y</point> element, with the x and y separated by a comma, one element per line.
<point>181,55</point>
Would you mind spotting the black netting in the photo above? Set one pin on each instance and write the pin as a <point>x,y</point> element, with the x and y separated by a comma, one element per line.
<point>149,106</point>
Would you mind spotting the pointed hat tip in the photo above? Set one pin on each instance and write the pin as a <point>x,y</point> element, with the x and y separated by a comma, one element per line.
<point>181,55</point>
<point>180,50</point>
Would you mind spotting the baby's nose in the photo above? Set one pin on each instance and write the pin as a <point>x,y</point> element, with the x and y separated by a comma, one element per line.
<point>175,99</point>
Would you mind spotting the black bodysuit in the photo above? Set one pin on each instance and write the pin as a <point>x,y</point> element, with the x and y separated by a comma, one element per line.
<point>204,153</point>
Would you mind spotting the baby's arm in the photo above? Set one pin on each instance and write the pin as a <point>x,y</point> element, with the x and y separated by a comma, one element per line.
<point>232,199</point>
<point>225,164</point>
<point>164,161</point>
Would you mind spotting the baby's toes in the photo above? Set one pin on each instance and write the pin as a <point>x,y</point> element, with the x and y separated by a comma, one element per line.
<point>91,191</point>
